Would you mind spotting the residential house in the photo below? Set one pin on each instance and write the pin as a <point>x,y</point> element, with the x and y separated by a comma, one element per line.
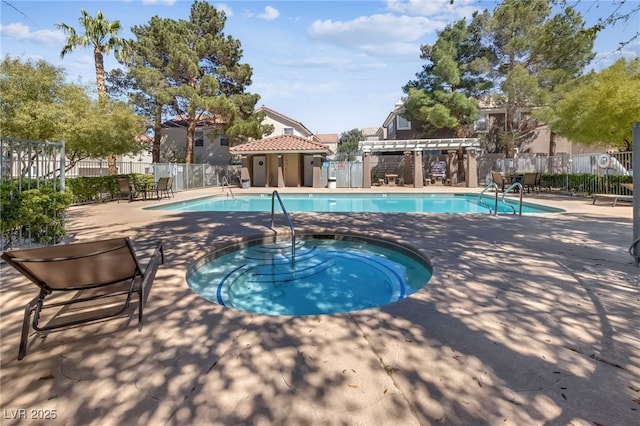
<point>212,147</point>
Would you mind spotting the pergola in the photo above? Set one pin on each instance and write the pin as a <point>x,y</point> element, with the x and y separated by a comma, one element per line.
<point>415,147</point>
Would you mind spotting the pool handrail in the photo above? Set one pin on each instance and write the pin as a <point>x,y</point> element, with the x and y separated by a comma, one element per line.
<point>225,183</point>
<point>506,191</point>
<point>486,188</point>
<point>286,216</point>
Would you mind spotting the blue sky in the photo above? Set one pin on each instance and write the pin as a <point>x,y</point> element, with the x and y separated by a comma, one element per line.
<point>332,65</point>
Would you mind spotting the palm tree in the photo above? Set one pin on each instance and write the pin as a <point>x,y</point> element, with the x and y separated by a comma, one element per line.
<point>99,33</point>
<point>102,35</point>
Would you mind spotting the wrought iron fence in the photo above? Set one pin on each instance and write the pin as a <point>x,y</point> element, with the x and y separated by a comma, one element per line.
<point>26,165</point>
<point>582,173</point>
<point>186,176</point>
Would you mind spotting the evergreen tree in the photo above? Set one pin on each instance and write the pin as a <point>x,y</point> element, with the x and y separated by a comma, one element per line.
<point>194,68</point>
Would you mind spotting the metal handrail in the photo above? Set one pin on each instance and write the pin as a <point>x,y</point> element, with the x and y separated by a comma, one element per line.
<point>225,182</point>
<point>520,189</point>
<point>286,216</point>
<point>482,203</point>
<point>636,257</point>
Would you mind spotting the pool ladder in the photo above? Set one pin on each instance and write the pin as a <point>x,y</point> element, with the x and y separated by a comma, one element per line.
<point>506,191</point>
<point>226,184</point>
<point>275,195</point>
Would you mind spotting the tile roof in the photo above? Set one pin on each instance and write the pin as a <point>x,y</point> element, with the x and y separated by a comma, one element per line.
<point>282,143</point>
<point>326,138</point>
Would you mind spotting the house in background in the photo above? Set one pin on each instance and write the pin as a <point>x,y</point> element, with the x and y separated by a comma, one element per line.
<point>211,147</point>
<point>283,125</point>
<point>396,127</point>
<point>291,155</point>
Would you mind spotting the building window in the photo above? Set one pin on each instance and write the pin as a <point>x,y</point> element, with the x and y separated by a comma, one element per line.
<point>481,124</point>
<point>199,138</point>
<point>224,141</point>
<point>287,131</point>
<point>403,123</point>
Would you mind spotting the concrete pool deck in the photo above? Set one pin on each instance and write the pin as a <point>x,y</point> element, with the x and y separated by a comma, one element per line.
<point>528,320</point>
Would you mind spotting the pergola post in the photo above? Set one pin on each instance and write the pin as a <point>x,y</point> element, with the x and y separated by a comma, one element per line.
<point>366,169</point>
<point>471,175</point>
<point>452,166</point>
<point>407,177</point>
<point>418,178</point>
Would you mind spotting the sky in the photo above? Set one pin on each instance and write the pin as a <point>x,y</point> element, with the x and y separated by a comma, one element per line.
<point>331,65</point>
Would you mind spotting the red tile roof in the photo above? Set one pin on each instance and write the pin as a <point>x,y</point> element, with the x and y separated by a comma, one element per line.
<point>326,137</point>
<point>282,143</point>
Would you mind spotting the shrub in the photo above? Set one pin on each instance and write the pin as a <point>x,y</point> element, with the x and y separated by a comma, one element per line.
<point>36,215</point>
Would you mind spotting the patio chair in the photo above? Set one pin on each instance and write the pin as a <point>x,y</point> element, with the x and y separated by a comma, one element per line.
<point>127,190</point>
<point>531,181</point>
<point>497,178</point>
<point>169,187</point>
<point>83,282</point>
<point>164,187</point>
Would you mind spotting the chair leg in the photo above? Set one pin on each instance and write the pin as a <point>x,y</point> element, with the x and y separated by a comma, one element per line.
<point>22,351</point>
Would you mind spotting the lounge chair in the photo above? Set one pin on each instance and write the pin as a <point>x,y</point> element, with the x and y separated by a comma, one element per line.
<point>614,198</point>
<point>87,282</point>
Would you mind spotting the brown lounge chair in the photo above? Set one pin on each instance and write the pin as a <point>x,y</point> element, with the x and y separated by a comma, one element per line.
<point>91,281</point>
<point>614,198</point>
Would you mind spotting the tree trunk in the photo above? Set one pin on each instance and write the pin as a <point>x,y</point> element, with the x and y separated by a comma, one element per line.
<point>191,131</point>
<point>102,94</point>
<point>157,134</point>
<point>99,60</point>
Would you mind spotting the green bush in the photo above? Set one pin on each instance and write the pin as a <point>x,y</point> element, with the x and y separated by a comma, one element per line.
<point>101,188</point>
<point>34,214</point>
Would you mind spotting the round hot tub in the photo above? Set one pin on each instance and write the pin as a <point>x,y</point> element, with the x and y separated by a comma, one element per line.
<point>323,274</point>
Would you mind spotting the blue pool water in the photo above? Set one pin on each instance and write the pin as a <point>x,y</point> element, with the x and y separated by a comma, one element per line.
<point>383,203</point>
<point>329,276</point>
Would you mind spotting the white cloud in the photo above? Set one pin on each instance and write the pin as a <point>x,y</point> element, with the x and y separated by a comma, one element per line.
<point>456,9</point>
<point>379,35</point>
<point>225,8</point>
<point>19,31</point>
<point>270,13</point>
<point>606,59</point>
<point>167,2</point>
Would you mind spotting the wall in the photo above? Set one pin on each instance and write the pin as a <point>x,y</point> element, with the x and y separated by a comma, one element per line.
<point>212,152</point>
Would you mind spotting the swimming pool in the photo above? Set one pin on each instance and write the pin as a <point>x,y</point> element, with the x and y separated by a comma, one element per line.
<point>351,203</point>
